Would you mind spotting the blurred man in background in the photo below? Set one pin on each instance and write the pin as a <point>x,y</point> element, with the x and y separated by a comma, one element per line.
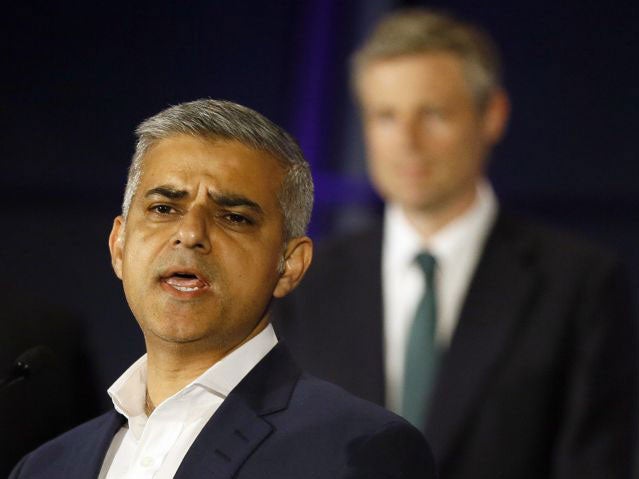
<point>511,345</point>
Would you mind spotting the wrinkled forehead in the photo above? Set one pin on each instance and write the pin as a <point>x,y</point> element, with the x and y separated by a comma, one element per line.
<point>186,157</point>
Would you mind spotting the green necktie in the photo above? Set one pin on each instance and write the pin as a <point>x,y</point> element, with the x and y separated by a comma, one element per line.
<point>421,351</point>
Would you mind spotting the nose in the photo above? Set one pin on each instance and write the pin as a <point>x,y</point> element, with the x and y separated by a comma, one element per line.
<point>193,231</point>
<point>409,133</point>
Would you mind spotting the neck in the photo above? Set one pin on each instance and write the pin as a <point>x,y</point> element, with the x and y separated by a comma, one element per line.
<point>172,366</point>
<point>429,221</point>
<point>168,372</point>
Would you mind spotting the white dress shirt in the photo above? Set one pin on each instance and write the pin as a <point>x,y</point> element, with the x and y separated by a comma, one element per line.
<point>154,447</point>
<point>456,248</point>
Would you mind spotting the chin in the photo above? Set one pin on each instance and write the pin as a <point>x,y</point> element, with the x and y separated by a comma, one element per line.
<point>176,331</point>
<point>417,201</point>
<point>176,337</point>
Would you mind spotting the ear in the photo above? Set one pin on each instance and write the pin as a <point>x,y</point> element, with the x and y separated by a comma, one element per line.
<point>116,245</point>
<point>297,259</point>
<point>496,116</point>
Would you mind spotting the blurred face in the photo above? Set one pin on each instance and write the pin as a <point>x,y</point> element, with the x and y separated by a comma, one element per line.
<point>199,254</point>
<point>426,138</point>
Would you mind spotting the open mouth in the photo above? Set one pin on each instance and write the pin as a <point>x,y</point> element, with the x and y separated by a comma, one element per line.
<point>185,281</point>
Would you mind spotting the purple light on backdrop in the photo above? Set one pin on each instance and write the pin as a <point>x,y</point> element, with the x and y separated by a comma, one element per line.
<point>314,113</point>
<point>310,95</point>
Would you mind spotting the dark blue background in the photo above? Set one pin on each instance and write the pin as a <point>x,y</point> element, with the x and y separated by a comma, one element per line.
<point>78,79</point>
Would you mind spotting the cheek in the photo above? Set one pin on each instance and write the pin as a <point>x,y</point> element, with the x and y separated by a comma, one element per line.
<point>378,138</point>
<point>247,262</point>
<point>471,150</point>
<point>379,172</point>
<point>136,264</point>
<point>464,162</point>
<point>379,156</point>
<point>132,284</point>
<point>453,144</point>
<point>384,141</point>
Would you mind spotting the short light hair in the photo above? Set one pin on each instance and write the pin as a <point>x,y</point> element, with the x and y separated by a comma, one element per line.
<point>225,120</point>
<point>418,30</point>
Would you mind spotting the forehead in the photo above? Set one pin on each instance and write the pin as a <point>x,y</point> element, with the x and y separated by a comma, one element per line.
<point>428,75</point>
<point>220,165</point>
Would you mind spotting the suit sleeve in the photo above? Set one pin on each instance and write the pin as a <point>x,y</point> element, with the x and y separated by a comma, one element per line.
<point>598,432</point>
<point>397,451</point>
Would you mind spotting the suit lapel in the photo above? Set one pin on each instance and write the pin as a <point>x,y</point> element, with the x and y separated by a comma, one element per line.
<point>232,434</point>
<point>88,457</point>
<point>496,302</point>
<point>238,427</point>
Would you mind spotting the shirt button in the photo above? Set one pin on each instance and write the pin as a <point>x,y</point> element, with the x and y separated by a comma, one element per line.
<point>146,461</point>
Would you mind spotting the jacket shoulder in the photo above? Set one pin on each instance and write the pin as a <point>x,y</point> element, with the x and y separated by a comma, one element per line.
<point>52,459</point>
<point>336,254</point>
<point>549,238</point>
<point>325,428</point>
<point>549,249</point>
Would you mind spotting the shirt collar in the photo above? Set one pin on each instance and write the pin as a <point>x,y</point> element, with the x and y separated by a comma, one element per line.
<point>402,242</point>
<point>129,390</point>
<point>467,232</point>
<point>227,373</point>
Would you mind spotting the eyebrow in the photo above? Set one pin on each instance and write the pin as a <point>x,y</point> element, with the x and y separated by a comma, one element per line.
<point>222,199</point>
<point>231,200</point>
<point>167,192</point>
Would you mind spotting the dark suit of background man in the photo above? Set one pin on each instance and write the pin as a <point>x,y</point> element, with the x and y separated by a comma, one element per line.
<point>212,228</point>
<point>534,351</point>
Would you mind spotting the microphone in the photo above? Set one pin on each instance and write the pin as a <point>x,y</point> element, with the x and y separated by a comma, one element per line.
<point>30,362</point>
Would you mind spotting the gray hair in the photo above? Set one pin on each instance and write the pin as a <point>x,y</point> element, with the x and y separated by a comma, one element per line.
<point>218,119</point>
<point>418,30</point>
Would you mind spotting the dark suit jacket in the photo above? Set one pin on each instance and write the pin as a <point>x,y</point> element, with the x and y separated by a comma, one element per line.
<point>277,423</point>
<point>540,377</point>
<point>60,396</point>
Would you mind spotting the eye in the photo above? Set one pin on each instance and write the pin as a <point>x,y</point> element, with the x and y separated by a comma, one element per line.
<point>237,219</point>
<point>162,209</point>
<point>383,116</point>
<point>432,114</point>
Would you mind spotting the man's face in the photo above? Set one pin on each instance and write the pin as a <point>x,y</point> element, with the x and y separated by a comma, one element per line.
<point>426,138</point>
<point>199,253</point>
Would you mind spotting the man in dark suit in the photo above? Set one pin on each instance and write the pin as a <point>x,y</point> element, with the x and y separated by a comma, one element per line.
<point>514,349</point>
<point>212,228</point>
